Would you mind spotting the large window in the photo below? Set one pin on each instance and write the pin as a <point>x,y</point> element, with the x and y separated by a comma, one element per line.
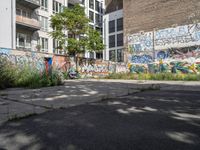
<point>44,44</point>
<point>111,41</point>
<point>97,6</point>
<point>23,41</point>
<point>91,4</point>
<point>120,39</point>
<point>44,23</point>
<point>44,4</point>
<point>91,16</point>
<point>57,7</point>
<point>120,24</point>
<point>111,26</point>
<point>120,55</point>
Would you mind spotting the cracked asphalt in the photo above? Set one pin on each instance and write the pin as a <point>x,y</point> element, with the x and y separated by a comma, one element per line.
<point>150,120</point>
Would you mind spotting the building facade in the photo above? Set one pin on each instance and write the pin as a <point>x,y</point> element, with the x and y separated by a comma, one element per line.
<point>94,9</point>
<point>113,31</point>
<point>27,23</point>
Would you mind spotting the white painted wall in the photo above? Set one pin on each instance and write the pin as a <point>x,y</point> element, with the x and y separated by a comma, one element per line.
<point>7,26</point>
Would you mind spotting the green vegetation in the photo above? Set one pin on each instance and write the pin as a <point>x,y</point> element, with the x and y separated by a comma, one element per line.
<point>156,76</point>
<point>81,36</point>
<point>13,76</point>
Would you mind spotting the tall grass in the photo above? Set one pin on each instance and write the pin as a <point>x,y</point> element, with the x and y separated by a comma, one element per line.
<point>13,76</point>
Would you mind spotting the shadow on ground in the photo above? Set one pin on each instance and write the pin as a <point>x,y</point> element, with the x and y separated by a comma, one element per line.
<point>151,120</point>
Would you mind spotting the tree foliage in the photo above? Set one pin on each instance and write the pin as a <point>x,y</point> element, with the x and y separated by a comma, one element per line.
<point>81,36</point>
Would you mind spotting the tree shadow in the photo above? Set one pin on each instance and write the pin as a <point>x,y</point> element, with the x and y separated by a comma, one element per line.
<point>148,120</point>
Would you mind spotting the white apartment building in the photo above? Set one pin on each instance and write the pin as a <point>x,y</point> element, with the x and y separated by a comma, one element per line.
<point>113,36</point>
<point>27,23</point>
<point>94,9</point>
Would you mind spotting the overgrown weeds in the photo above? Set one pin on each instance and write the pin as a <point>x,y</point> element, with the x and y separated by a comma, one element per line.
<point>26,76</point>
<point>156,76</point>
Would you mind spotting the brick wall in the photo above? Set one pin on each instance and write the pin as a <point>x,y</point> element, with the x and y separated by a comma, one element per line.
<point>113,5</point>
<point>145,15</point>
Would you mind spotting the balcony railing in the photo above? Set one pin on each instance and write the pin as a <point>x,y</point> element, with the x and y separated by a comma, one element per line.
<point>30,3</point>
<point>29,23</point>
<point>75,1</point>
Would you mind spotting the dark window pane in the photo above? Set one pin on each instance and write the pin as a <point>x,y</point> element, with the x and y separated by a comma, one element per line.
<point>120,55</point>
<point>120,24</point>
<point>99,55</point>
<point>120,39</point>
<point>111,26</point>
<point>111,41</point>
<point>112,55</point>
<point>91,4</point>
<point>91,16</point>
<point>97,6</point>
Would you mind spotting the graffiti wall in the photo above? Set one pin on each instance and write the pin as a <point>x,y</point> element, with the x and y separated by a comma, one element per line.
<point>171,50</point>
<point>24,58</point>
<point>100,68</point>
<point>61,62</point>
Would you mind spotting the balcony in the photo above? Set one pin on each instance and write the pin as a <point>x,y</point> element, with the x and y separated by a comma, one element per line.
<point>75,1</point>
<point>27,23</point>
<point>33,4</point>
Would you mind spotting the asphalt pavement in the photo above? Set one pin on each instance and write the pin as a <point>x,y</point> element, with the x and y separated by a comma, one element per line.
<point>148,120</point>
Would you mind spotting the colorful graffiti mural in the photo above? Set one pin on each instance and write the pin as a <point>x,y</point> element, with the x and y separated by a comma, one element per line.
<point>141,59</point>
<point>23,58</point>
<point>181,36</point>
<point>175,50</point>
<point>141,42</point>
<point>62,63</point>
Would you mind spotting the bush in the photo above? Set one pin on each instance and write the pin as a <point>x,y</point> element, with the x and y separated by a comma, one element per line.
<point>7,73</point>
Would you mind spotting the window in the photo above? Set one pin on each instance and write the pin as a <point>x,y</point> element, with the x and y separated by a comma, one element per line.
<point>92,55</point>
<point>23,13</point>
<point>111,41</point>
<point>56,47</point>
<point>83,2</point>
<point>23,41</point>
<point>99,29</point>
<point>57,7</point>
<point>44,23</point>
<point>44,5</point>
<point>120,55</point>
<point>44,44</point>
<point>99,55</point>
<point>112,55</point>
<point>97,6</point>
<point>91,16</point>
<point>111,26</point>
<point>120,24</point>
<point>97,19</point>
<point>91,4</point>
<point>120,39</point>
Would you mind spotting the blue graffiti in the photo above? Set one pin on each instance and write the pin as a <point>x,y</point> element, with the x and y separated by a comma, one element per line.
<point>162,54</point>
<point>5,51</point>
<point>144,59</point>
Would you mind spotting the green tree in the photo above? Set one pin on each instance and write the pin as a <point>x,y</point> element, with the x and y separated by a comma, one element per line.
<point>81,36</point>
